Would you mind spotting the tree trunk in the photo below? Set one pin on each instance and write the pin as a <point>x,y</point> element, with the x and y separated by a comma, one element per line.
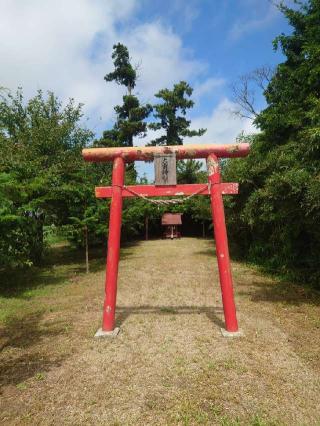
<point>147,227</point>
<point>87,248</point>
<point>203,230</point>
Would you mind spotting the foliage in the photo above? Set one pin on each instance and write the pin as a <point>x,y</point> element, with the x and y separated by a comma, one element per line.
<point>20,232</point>
<point>124,74</point>
<point>176,126</point>
<point>130,120</point>
<point>41,172</point>
<point>130,115</point>
<point>293,93</point>
<point>45,185</point>
<point>190,171</point>
<point>275,218</point>
<point>131,123</point>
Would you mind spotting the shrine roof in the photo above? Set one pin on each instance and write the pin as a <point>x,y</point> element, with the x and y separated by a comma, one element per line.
<point>171,219</point>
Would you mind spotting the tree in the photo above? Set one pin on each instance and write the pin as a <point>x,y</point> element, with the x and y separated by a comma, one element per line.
<point>190,171</point>
<point>171,114</point>
<point>41,171</point>
<point>130,120</point>
<point>244,91</point>
<point>275,217</point>
<point>201,212</point>
<point>124,74</point>
<point>176,126</point>
<point>294,91</point>
<point>130,115</point>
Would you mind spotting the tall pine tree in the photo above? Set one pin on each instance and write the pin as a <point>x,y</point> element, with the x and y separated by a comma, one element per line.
<point>171,115</point>
<point>131,114</point>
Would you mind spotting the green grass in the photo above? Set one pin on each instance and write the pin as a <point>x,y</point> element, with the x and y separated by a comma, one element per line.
<point>19,289</point>
<point>190,413</point>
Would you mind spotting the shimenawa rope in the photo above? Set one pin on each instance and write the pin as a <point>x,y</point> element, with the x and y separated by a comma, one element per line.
<point>161,202</point>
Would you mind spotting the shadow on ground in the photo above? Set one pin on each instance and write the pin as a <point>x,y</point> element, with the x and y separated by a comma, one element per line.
<point>209,250</point>
<point>271,290</point>
<point>23,333</point>
<point>123,312</point>
<point>60,264</point>
<point>281,292</point>
<point>18,369</point>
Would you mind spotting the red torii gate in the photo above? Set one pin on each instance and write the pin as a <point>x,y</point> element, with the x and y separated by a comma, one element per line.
<point>215,188</point>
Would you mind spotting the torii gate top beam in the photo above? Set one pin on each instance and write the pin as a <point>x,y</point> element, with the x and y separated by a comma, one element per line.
<point>147,153</point>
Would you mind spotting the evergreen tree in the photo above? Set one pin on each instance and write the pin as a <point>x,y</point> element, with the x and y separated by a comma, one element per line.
<point>130,115</point>
<point>198,208</point>
<point>124,74</point>
<point>171,115</point>
<point>294,91</point>
<point>275,218</point>
<point>191,171</point>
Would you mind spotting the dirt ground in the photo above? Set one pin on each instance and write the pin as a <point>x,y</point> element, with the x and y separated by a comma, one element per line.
<point>169,364</point>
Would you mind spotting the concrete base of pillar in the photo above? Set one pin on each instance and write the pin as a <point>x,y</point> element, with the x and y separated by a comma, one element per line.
<point>226,333</point>
<point>113,333</point>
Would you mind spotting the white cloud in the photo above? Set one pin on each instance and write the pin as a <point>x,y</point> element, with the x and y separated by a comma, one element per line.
<point>207,87</point>
<point>164,61</point>
<point>222,126</point>
<point>47,45</point>
<point>65,46</point>
<point>262,17</point>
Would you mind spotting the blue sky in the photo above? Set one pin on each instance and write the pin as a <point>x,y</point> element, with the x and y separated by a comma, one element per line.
<point>66,46</point>
<point>229,37</point>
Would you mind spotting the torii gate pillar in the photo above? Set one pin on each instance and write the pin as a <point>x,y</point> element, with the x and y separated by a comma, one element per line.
<point>221,240</point>
<point>109,307</point>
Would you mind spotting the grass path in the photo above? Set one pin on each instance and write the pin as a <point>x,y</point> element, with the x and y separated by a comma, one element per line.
<point>169,365</point>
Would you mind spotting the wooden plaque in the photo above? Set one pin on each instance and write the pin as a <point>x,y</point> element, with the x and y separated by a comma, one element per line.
<point>165,169</point>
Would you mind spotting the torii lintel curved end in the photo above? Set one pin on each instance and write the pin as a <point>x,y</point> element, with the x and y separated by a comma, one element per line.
<point>147,153</point>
